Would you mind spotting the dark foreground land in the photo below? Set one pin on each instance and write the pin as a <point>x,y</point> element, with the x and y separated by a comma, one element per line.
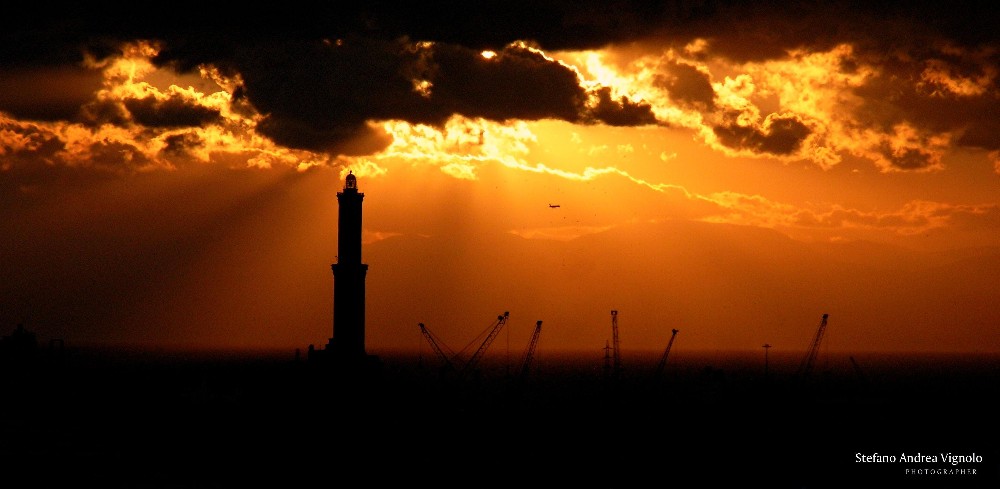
<point>141,420</point>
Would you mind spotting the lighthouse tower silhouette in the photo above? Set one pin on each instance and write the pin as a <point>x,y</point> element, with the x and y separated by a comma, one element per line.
<point>347,345</point>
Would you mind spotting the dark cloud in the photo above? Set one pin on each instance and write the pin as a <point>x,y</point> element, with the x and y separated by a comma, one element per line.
<point>99,112</point>
<point>116,157</point>
<point>907,93</point>
<point>47,93</point>
<point>27,148</point>
<point>983,132</point>
<point>778,135</point>
<point>761,30</point>
<point>907,158</point>
<point>320,95</point>
<point>516,84</point>
<point>742,29</point>
<point>181,144</point>
<point>172,112</point>
<point>334,137</point>
<point>621,112</point>
<point>687,85</point>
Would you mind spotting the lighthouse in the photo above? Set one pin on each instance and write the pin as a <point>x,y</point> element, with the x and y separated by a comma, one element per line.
<point>347,345</point>
<point>349,273</point>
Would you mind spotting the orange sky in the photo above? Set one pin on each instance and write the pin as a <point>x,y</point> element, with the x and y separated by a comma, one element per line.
<point>734,196</point>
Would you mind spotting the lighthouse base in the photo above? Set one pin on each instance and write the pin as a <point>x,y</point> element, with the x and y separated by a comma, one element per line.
<point>359,364</point>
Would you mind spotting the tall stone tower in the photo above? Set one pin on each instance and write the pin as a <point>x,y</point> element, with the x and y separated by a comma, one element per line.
<point>348,341</point>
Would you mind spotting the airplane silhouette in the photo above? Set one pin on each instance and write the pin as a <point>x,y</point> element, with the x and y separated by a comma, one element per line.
<point>553,205</point>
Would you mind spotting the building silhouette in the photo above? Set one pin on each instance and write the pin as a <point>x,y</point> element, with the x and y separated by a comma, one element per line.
<point>347,345</point>
<point>19,345</point>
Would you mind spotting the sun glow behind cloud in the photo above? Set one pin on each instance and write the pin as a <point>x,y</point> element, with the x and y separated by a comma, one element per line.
<point>133,124</point>
<point>798,109</point>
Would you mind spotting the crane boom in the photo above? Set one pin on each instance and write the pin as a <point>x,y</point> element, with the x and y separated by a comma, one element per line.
<point>607,357</point>
<point>530,352</point>
<point>437,349</point>
<point>615,348</point>
<point>497,326</point>
<point>663,359</point>
<point>807,363</point>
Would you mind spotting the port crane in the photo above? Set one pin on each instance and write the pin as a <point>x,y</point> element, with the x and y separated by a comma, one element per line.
<point>530,352</point>
<point>496,327</point>
<point>616,355</point>
<point>663,359</point>
<point>805,368</point>
<point>446,361</point>
<point>607,358</point>
<point>449,361</point>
